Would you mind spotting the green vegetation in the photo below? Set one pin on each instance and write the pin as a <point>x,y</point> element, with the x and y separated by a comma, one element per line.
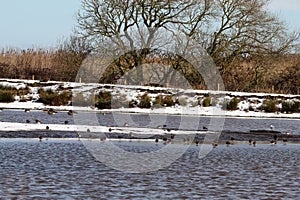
<point>103,100</point>
<point>269,106</point>
<point>290,107</point>
<point>231,105</point>
<point>48,97</point>
<point>145,101</point>
<point>166,101</point>
<point>7,95</point>
<point>206,102</point>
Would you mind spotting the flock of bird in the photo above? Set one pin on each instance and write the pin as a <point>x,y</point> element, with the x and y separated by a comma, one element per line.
<point>50,111</point>
<point>164,127</point>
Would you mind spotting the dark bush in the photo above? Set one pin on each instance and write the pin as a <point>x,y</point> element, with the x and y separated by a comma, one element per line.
<point>145,101</point>
<point>269,106</point>
<point>168,101</point>
<point>103,100</point>
<point>231,105</point>
<point>164,101</point>
<point>206,102</point>
<point>290,106</point>
<point>7,96</point>
<point>159,100</point>
<point>51,98</point>
<point>251,108</point>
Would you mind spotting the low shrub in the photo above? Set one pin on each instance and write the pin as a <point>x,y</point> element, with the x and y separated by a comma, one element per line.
<point>159,100</point>
<point>145,101</point>
<point>168,101</point>
<point>269,106</point>
<point>206,102</point>
<point>164,100</point>
<point>48,97</point>
<point>231,105</point>
<point>103,100</point>
<point>251,108</point>
<point>290,106</point>
<point>7,96</point>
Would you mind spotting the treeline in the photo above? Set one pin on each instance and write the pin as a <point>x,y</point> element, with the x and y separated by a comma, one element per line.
<point>272,73</point>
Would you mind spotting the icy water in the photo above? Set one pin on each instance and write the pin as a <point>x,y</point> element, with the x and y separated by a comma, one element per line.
<point>142,120</point>
<point>64,169</point>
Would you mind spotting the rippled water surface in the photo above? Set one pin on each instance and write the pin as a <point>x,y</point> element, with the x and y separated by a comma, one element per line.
<point>64,169</point>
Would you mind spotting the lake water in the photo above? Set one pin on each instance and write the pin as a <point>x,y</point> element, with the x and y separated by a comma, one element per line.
<point>64,169</point>
<point>142,120</point>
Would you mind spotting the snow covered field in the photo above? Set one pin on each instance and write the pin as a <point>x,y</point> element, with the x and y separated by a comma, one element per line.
<point>190,98</point>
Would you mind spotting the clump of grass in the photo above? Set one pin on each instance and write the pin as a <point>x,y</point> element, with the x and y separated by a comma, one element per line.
<point>269,106</point>
<point>206,102</point>
<point>251,108</point>
<point>145,101</point>
<point>168,101</point>
<point>231,105</point>
<point>103,100</point>
<point>7,96</point>
<point>164,100</point>
<point>48,97</point>
<point>159,100</point>
<point>290,106</point>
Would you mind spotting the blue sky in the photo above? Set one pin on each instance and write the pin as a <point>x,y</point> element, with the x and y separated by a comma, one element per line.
<point>41,23</point>
<point>27,23</point>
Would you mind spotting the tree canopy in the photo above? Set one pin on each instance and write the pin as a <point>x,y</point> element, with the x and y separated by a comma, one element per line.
<point>226,29</point>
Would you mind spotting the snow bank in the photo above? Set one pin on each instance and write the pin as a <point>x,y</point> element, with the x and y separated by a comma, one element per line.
<point>129,93</point>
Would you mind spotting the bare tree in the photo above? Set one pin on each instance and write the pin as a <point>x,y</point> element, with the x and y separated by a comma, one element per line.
<point>227,29</point>
<point>245,27</point>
